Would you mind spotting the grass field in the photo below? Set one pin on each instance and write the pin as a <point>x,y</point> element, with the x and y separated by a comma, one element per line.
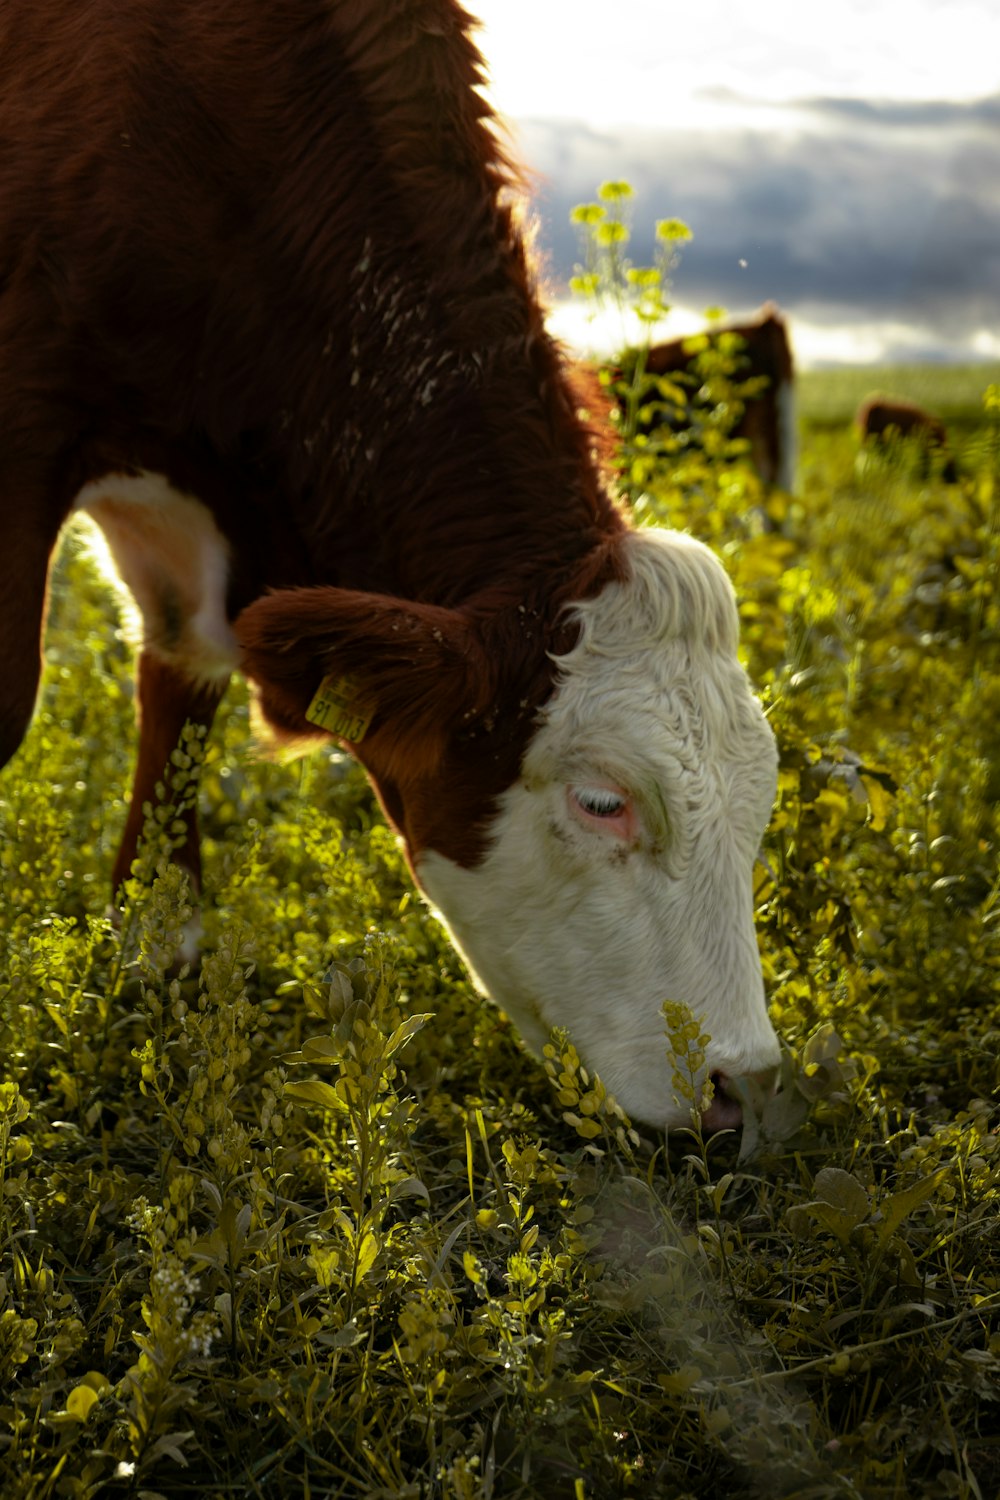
<point>954,392</point>
<point>310,1222</point>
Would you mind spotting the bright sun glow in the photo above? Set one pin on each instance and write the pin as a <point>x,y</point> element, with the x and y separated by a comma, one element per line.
<point>814,343</point>
<point>853,134</point>
<point>648,62</point>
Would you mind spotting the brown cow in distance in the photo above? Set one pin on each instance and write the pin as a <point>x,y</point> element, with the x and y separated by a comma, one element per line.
<point>767,422</point>
<point>267,317</point>
<point>881,419</point>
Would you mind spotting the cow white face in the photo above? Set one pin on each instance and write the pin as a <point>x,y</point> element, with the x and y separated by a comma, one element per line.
<point>619,870</point>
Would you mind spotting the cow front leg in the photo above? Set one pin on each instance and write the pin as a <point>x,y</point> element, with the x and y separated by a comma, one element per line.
<point>167,699</point>
<point>26,544</point>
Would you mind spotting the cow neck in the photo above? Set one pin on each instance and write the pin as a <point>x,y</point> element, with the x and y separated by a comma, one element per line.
<point>431,466</point>
<point>464,513</point>
<point>428,433</point>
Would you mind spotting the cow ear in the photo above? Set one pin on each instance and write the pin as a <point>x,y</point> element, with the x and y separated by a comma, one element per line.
<point>365,666</point>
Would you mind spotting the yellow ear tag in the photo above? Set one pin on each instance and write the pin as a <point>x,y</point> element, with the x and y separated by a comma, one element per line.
<point>339,709</point>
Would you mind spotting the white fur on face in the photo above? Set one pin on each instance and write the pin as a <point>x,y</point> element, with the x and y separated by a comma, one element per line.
<point>592,922</point>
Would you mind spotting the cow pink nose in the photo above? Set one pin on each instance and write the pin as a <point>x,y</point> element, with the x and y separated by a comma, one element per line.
<point>763,1083</point>
<point>725,1111</point>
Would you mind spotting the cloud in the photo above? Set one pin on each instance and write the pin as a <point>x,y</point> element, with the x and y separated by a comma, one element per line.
<point>879,212</point>
<point>882,113</point>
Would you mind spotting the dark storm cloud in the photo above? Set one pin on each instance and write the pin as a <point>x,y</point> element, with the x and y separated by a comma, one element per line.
<point>884,114</point>
<point>854,211</point>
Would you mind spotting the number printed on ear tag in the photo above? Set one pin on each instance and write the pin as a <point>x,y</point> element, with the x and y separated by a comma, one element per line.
<point>339,708</point>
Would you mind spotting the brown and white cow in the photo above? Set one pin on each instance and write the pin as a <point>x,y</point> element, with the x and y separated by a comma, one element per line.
<point>266,314</point>
<point>767,421</point>
<point>882,420</point>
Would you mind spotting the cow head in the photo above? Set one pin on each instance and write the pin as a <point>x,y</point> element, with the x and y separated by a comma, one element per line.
<point>606,867</point>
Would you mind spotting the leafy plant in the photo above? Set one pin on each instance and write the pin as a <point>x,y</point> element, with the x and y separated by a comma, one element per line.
<point>308,1220</point>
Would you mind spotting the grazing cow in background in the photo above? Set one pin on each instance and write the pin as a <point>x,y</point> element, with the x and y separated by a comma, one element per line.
<point>266,315</point>
<point>882,420</point>
<point>767,422</point>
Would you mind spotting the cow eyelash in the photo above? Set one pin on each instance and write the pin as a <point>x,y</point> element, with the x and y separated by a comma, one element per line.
<point>599,801</point>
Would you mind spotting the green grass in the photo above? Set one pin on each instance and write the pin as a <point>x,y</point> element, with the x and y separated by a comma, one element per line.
<point>953,392</point>
<point>310,1222</point>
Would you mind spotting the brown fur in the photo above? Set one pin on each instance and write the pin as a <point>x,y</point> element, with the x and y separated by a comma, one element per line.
<point>766,353</point>
<point>881,419</point>
<point>272,253</point>
<point>879,415</point>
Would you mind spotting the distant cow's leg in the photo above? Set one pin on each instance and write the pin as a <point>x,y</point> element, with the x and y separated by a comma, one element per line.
<point>758,426</point>
<point>167,700</point>
<point>26,543</point>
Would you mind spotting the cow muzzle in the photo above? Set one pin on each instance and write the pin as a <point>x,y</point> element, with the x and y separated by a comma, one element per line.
<point>726,1109</point>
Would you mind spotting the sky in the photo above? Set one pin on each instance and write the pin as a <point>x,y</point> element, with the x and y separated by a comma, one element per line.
<point>843,159</point>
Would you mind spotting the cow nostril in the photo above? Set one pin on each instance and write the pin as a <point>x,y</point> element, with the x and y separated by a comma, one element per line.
<point>725,1111</point>
<point>754,1088</point>
<point>720,1082</point>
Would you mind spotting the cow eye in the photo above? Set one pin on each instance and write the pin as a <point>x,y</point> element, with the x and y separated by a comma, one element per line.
<point>599,801</point>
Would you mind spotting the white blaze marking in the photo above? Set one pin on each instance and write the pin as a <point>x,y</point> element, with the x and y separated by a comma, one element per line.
<point>566,925</point>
